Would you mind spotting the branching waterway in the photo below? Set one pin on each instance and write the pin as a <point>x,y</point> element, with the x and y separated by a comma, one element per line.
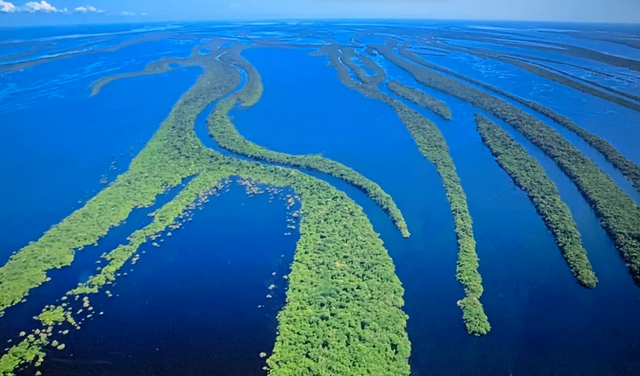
<point>390,189</point>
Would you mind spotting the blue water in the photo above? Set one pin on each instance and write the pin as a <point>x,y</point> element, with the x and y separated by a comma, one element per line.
<point>54,157</point>
<point>522,266</point>
<point>192,305</point>
<point>86,261</point>
<point>168,317</point>
<point>607,120</point>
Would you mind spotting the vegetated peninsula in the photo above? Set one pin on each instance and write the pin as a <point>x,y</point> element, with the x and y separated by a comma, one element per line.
<point>529,176</point>
<point>616,211</point>
<point>433,146</point>
<point>227,136</point>
<point>340,271</point>
<point>628,168</point>
<point>420,98</point>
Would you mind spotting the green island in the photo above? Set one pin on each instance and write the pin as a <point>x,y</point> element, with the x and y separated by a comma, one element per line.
<point>227,136</point>
<point>529,176</point>
<point>615,209</point>
<point>420,98</point>
<point>27,351</point>
<point>433,146</point>
<point>629,169</point>
<point>343,312</point>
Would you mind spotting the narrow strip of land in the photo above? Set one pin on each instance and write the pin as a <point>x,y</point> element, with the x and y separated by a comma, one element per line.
<point>629,169</point>
<point>529,176</point>
<point>420,98</point>
<point>433,146</point>
<point>616,211</point>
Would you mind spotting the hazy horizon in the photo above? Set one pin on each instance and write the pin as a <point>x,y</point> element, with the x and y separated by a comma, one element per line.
<point>56,12</point>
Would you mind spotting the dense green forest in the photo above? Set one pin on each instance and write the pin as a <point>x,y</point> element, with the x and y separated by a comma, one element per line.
<point>433,146</point>
<point>420,98</point>
<point>617,212</point>
<point>629,169</point>
<point>226,135</point>
<point>529,176</point>
<point>341,270</point>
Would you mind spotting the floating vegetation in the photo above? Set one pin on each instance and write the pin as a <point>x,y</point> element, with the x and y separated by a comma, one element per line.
<point>433,146</point>
<point>616,211</point>
<point>529,176</point>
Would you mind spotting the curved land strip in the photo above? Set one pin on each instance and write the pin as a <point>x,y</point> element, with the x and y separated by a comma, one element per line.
<point>149,174</point>
<point>162,66</point>
<point>629,169</point>
<point>616,211</point>
<point>227,136</point>
<point>343,313</point>
<point>420,98</point>
<point>587,69</point>
<point>628,39</point>
<point>433,146</point>
<point>377,78</point>
<point>156,67</point>
<point>529,176</point>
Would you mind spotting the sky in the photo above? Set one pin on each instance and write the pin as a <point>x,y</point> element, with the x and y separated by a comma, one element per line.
<point>25,13</point>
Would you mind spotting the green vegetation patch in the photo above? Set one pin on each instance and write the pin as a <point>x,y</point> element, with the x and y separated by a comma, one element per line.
<point>433,146</point>
<point>529,176</point>
<point>616,211</point>
<point>29,350</point>
<point>228,137</point>
<point>343,313</point>
<point>629,169</point>
<point>420,98</point>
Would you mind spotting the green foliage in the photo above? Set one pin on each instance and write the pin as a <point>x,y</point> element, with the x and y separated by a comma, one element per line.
<point>203,184</point>
<point>527,174</point>
<point>173,154</point>
<point>616,211</point>
<point>420,98</point>
<point>343,313</point>
<point>228,137</point>
<point>27,351</point>
<point>629,169</point>
<point>53,315</point>
<point>433,146</point>
<point>474,317</point>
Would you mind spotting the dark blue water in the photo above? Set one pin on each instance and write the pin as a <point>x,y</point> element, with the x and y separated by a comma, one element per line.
<point>198,304</point>
<point>619,134</point>
<point>531,296</point>
<point>191,306</point>
<point>19,317</point>
<point>614,123</point>
<point>54,156</point>
<point>535,276</point>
